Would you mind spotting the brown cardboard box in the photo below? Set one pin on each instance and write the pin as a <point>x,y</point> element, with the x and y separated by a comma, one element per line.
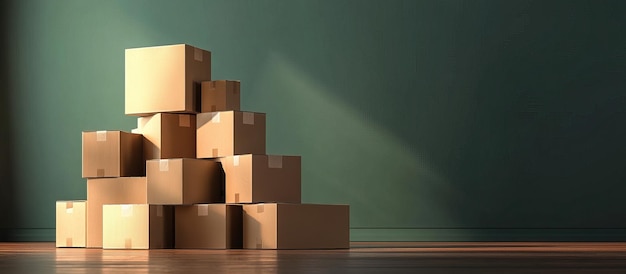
<point>168,135</point>
<point>296,226</point>
<point>112,154</point>
<point>262,178</point>
<point>123,190</point>
<point>229,133</point>
<point>164,78</point>
<point>137,226</point>
<point>210,226</point>
<point>221,95</point>
<point>184,181</point>
<point>70,223</point>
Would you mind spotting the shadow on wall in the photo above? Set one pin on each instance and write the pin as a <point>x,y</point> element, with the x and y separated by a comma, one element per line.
<point>7,217</point>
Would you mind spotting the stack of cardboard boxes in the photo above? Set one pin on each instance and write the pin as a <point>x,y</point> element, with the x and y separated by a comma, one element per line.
<point>194,173</point>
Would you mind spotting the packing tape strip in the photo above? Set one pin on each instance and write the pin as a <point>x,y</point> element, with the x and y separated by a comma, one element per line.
<point>128,243</point>
<point>100,172</point>
<point>274,161</point>
<point>259,242</point>
<point>215,152</point>
<point>159,211</point>
<point>236,160</point>
<point>203,210</point>
<point>248,118</point>
<point>101,136</point>
<point>236,197</point>
<point>164,165</point>
<point>214,117</point>
<point>69,242</point>
<point>260,208</point>
<point>184,120</point>
<point>69,208</point>
<point>197,54</point>
<point>127,210</point>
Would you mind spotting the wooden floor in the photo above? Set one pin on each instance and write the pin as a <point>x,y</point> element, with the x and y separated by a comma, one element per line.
<point>390,257</point>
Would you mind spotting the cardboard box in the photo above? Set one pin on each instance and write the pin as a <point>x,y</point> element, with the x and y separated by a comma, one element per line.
<point>228,133</point>
<point>262,178</point>
<point>101,191</point>
<point>221,95</point>
<point>208,226</point>
<point>137,226</point>
<point>164,78</point>
<point>168,135</point>
<point>296,226</point>
<point>184,181</point>
<point>71,222</point>
<point>112,154</point>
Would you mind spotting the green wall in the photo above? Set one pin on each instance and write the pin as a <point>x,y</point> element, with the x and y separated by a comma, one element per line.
<point>434,120</point>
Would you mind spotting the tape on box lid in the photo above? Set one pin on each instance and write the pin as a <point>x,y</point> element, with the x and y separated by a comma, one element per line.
<point>128,243</point>
<point>127,210</point>
<point>197,54</point>
<point>214,117</point>
<point>69,242</point>
<point>164,165</point>
<point>260,208</point>
<point>274,161</point>
<point>203,210</point>
<point>184,120</point>
<point>236,160</point>
<point>69,207</point>
<point>248,118</point>
<point>101,136</point>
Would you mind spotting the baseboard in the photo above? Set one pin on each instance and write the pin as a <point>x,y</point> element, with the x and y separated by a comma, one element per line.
<point>408,234</point>
<point>28,235</point>
<point>487,234</point>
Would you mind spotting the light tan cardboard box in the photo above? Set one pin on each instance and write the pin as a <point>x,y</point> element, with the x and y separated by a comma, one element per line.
<point>220,95</point>
<point>168,135</point>
<point>296,226</point>
<point>262,178</point>
<point>164,78</point>
<point>112,154</point>
<point>228,133</point>
<point>71,223</point>
<point>137,226</point>
<point>208,226</point>
<point>184,181</point>
<point>100,191</point>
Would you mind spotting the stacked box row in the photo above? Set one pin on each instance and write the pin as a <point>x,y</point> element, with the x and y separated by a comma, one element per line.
<point>194,173</point>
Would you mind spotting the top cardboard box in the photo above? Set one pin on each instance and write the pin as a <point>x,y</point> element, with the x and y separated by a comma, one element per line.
<point>165,79</point>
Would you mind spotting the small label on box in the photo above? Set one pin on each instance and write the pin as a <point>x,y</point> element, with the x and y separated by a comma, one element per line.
<point>197,54</point>
<point>203,210</point>
<point>164,165</point>
<point>184,120</point>
<point>127,210</point>
<point>236,160</point>
<point>274,161</point>
<point>101,136</point>
<point>248,118</point>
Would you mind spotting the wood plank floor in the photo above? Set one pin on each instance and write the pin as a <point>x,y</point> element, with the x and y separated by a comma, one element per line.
<point>363,257</point>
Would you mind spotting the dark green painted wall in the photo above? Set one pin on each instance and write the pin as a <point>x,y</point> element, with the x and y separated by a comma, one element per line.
<point>434,120</point>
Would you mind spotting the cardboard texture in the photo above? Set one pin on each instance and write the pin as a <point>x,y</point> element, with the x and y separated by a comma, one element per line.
<point>164,78</point>
<point>100,191</point>
<point>184,181</point>
<point>209,226</point>
<point>228,133</point>
<point>220,95</point>
<point>112,154</point>
<point>71,223</point>
<point>296,226</point>
<point>168,135</point>
<point>137,226</point>
<point>262,178</point>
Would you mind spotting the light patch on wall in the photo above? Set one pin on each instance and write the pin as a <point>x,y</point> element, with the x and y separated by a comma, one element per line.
<point>347,158</point>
